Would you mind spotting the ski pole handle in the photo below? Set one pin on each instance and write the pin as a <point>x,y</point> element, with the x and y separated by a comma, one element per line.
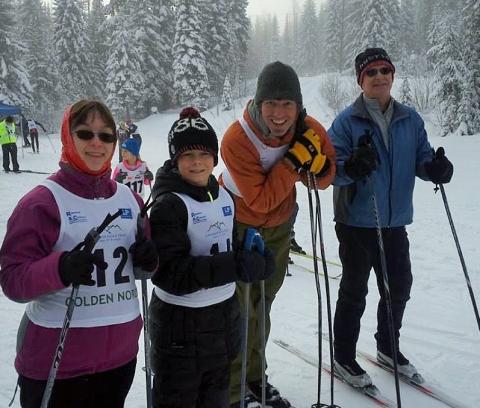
<point>253,239</point>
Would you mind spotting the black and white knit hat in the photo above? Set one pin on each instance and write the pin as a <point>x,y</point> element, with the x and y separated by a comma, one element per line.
<point>278,81</point>
<point>191,132</point>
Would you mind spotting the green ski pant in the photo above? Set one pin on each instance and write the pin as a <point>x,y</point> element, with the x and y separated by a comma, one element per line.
<point>278,240</point>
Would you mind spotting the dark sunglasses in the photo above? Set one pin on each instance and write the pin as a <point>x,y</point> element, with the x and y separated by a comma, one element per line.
<point>384,71</point>
<point>88,135</point>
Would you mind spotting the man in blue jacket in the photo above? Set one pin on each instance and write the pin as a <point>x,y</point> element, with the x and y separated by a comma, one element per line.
<point>381,146</point>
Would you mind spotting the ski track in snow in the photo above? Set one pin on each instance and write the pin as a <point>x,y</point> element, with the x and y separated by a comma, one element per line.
<point>440,334</point>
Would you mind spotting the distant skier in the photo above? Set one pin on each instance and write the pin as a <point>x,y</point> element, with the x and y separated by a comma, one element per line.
<point>33,130</point>
<point>8,141</point>
<point>132,171</point>
<point>25,133</point>
<point>132,131</point>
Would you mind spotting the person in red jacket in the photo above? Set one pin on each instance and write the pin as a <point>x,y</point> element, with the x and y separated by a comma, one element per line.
<point>99,357</point>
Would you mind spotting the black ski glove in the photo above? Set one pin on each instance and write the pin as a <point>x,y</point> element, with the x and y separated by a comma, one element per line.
<point>76,267</point>
<point>252,266</point>
<point>362,161</point>
<point>121,176</point>
<point>440,169</point>
<point>144,254</point>
<point>148,175</point>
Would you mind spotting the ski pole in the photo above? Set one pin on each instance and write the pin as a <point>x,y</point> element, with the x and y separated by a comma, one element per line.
<point>313,182</point>
<point>246,312</point>
<point>146,333</point>
<point>88,243</point>
<point>459,250</point>
<point>51,144</point>
<point>313,231</point>
<point>386,289</point>
<point>254,239</point>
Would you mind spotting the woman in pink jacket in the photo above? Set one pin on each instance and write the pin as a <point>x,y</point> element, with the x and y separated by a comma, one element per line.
<point>39,263</point>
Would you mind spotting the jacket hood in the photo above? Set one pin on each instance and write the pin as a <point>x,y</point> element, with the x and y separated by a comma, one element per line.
<point>168,180</point>
<point>70,154</point>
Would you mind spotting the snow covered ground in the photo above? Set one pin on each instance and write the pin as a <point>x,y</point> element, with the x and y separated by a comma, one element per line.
<point>440,334</point>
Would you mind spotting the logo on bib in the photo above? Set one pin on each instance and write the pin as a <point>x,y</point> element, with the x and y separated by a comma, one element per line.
<point>74,217</point>
<point>198,217</point>
<point>227,211</point>
<point>126,213</point>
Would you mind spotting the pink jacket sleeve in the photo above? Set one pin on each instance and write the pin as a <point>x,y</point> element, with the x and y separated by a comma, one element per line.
<point>29,267</point>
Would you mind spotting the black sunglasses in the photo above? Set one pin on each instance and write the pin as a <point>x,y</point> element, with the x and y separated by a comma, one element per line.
<point>88,135</point>
<point>384,71</point>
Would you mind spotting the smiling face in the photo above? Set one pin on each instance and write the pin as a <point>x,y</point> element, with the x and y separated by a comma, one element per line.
<point>94,153</point>
<point>279,115</point>
<point>378,86</point>
<point>196,166</point>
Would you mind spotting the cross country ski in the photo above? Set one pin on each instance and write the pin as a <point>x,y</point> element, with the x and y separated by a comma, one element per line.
<point>370,391</point>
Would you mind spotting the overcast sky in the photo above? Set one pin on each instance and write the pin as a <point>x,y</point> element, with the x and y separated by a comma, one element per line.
<point>278,7</point>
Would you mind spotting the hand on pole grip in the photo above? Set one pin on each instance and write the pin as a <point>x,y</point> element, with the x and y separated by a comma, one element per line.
<point>255,262</point>
<point>148,175</point>
<point>440,169</point>
<point>144,252</point>
<point>121,176</point>
<point>363,159</point>
<point>305,152</point>
<point>76,267</point>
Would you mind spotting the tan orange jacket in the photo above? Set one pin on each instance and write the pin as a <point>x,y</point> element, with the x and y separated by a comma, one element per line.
<point>268,199</point>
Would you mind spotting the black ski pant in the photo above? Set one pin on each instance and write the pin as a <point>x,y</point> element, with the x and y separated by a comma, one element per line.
<point>359,252</point>
<point>101,390</point>
<point>191,353</point>
<point>34,137</point>
<point>10,150</point>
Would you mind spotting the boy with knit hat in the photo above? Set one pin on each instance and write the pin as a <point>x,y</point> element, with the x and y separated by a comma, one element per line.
<point>195,322</point>
<point>266,152</point>
<point>381,146</point>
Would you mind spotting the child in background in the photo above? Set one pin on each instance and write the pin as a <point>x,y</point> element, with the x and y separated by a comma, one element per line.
<point>195,324</point>
<point>132,171</point>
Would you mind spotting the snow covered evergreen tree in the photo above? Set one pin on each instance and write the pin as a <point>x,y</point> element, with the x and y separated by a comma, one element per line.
<point>98,38</point>
<point>449,68</point>
<point>239,25</point>
<point>72,49</point>
<point>189,58</point>
<point>309,41</point>
<point>407,36</point>
<point>378,27</point>
<point>125,81</point>
<point>406,96</point>
<point>336,35</point>
<point>216,34</point>
<point>469,112</point>
<point>227,100</point>
<point>15,88</point>
<point>165,18</point>
<point>148,22</point>
<point>36,34</point>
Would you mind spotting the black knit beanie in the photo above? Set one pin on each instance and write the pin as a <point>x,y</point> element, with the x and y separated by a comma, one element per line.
<point>191,132</point>
<point>368,56</point>
<point>278,81</point>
